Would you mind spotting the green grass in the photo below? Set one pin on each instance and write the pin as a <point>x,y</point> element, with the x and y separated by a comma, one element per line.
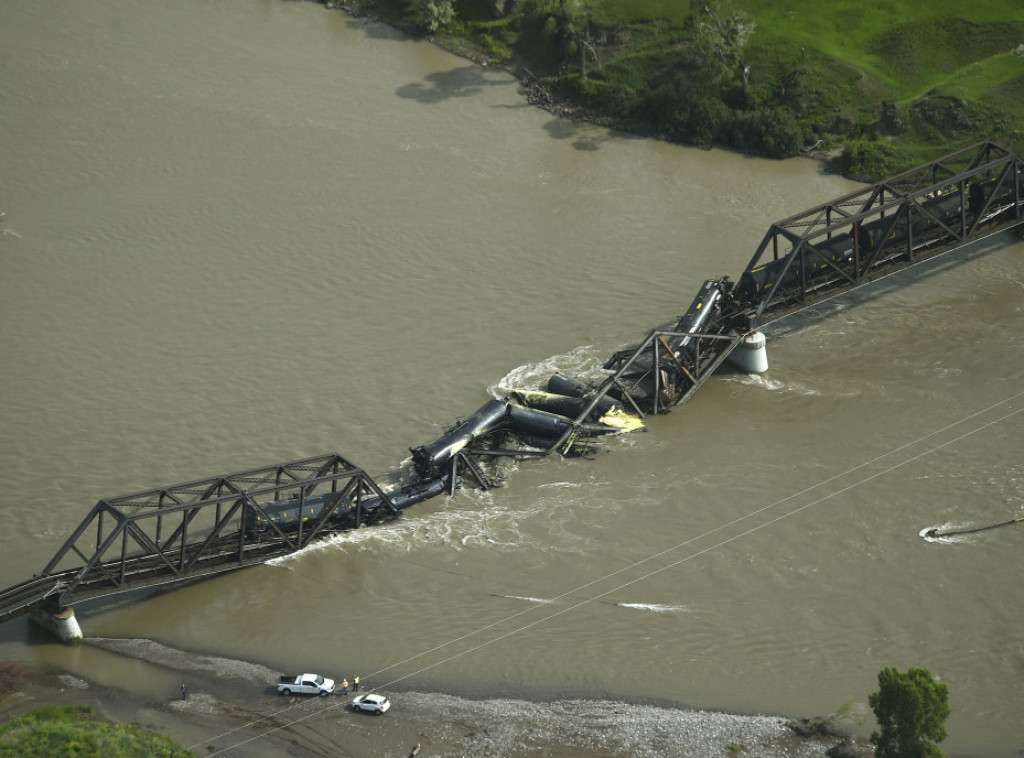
<point>854,55</point>
<point>70,732</point>
<point>889,37</point>
<point>612,12</point>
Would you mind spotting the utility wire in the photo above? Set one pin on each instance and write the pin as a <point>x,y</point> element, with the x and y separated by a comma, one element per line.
<point>643,561</point>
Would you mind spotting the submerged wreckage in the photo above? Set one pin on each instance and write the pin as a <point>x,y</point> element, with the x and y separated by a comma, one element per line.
<point>568,414</point>
<point>825,251</point>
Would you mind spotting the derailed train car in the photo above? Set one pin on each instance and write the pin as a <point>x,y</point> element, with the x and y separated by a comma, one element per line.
<point>430,460</point>
<point>702,311</point>
<point>657,378</point>
<point>526,417</point>
<point>288,514</point>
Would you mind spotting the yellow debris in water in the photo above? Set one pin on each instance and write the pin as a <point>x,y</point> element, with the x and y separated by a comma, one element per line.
<point>624,422</point>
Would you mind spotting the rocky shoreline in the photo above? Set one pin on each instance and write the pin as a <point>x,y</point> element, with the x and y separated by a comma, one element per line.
<point>232,709</point>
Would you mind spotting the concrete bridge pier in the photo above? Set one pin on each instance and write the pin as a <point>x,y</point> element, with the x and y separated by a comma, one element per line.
<point>60,622</point>
<point>750,355</point>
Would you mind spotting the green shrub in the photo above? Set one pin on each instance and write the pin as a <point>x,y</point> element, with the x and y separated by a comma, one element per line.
<point>868,160</point>
<point>702,116</point>
<point>911,710</point>
<point>772,132</point>
<point>591,89</point>
<point>433,14</point>
<point>491,46</point>
<point>618,98</point>
<point>662,107</point>
<point>67,731</point>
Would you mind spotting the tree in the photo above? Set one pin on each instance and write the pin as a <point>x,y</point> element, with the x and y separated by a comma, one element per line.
<point>911,711</point>
<point>718,40</point>
<point>567,22</point>
<point>434,14</point>
<point>868,160</point>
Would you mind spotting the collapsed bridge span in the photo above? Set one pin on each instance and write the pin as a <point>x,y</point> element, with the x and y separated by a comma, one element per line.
<point>196,529</point>
<point>826,251</point>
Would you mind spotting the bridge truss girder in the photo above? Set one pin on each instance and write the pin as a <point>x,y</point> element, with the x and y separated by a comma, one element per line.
<point>654,361</point>
<point>897,203</point>
<point>196,529</point>
<point>673,381</point>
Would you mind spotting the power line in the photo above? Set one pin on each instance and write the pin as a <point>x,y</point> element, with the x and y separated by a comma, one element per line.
<point>650,558</point>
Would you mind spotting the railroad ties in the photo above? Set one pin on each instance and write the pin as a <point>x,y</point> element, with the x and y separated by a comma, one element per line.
<point>186,531</point>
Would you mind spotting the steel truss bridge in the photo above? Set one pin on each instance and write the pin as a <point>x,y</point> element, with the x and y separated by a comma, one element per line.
<point>195,529</point>
<point>832,249</point>
<point>906,219</point>
<point>198,529</point>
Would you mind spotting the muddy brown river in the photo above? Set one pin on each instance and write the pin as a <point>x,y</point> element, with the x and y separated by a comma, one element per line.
<point>249,232</point>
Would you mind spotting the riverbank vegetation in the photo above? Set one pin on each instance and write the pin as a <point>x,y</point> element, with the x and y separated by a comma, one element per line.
<point>884,85</point>
<point>55,731</point>
<point>911,709</point>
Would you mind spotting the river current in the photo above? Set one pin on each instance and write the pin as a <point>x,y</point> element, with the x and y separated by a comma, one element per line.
<point>248,232</point>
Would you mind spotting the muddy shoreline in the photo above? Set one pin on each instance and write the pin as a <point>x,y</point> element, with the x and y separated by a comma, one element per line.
<point>232,709</point>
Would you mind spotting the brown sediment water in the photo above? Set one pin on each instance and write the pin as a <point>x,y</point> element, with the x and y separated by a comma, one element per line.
<point>244,233</point>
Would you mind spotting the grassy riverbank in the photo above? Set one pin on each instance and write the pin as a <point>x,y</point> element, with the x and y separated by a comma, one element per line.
<point>69,730</point>
<point>887,84</point>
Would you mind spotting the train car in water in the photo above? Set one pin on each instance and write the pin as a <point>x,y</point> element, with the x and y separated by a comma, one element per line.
<point>705,308</point>
<point>658,378</point>
<point>697,316</point>
<point>431,460</point>
<point>287,514</point>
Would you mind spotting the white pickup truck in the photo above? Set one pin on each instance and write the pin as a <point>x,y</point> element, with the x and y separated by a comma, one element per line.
<point>305,684</point>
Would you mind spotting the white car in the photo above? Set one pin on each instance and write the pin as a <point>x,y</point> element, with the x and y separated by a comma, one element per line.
<point>373,703</point>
